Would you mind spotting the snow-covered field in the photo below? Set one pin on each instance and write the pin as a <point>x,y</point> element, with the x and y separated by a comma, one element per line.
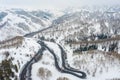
<point>98,65</point>
<point>47,62</point>
<point>22,21</point>
<point>73,26</point>
<point>22,54</point>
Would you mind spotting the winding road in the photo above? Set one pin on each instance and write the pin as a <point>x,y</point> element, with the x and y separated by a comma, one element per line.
<point>26,72</point>
<point>64,69</point>
<point>64,57</point>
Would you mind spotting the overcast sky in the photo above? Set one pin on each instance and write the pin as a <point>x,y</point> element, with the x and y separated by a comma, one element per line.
<point>60,4</point>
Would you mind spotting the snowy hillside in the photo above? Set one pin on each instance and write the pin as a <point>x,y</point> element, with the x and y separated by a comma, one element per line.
<point>19,55</point>
<point>91,40</point>
<point>73,44</point>
<point>85,23</point>
<point>98,65</point>
<point>21,21</point>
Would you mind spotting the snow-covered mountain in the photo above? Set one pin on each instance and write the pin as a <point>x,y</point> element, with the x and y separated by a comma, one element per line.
<point>21,21</point>
<point>83,23</point>
<point>85,39</point>
<point>89,36</point>
<point>18,55</point>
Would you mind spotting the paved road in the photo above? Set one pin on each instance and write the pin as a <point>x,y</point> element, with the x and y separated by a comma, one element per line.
<point>26,72</point>
<point>64,57</point>
<point>64,69</point>
<point>2,25</point>
<point>36,32</point>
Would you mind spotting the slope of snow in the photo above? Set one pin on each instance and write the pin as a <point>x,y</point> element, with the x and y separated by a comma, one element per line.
<point>20,22</point>
<point>22,54</point>
<point>56,50</point>
<point>47,62</point>
<point>76,25</point>
<point>97,64</point>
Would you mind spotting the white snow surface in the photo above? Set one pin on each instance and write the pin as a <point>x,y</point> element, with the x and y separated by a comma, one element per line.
<point>47,62</point>
<point>23,53</point>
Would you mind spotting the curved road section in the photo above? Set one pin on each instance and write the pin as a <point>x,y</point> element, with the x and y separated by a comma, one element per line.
<point>64,57</point>
<point>26,72</point>
<point>64,69</point>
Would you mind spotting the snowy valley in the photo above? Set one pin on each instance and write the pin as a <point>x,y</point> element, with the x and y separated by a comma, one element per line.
<point>73,44</point>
